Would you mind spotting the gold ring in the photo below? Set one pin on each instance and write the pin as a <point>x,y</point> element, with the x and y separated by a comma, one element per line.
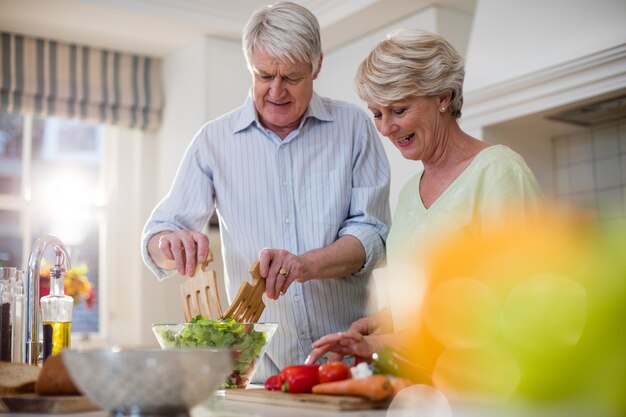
<point>283,272</point>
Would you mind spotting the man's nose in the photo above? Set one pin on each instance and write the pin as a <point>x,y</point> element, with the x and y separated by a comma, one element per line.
<point>276,86</point>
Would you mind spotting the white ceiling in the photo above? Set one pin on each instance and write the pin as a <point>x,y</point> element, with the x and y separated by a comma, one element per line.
<point>158,27</point>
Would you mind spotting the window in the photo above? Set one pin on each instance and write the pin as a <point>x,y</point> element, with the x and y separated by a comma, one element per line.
<point>51,181</point>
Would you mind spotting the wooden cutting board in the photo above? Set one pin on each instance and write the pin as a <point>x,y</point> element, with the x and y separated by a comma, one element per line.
<point>313,401</point>
<point>49,404</point>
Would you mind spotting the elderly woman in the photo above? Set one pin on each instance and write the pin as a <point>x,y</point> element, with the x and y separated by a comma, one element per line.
<point>412,83</point>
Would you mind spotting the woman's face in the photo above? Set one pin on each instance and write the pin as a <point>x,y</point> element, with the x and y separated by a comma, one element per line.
<point>282,91</point>
<point>411,124</point>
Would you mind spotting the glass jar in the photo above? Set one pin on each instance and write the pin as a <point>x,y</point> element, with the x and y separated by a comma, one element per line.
<point>11,314</point>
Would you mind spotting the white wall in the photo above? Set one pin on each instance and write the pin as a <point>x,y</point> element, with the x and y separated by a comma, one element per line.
<point>512,38</point>
<point>202,81</point>
<point>530,59</point>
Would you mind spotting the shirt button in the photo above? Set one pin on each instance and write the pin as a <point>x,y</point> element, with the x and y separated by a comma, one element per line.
<point>302,336</point>
<point>287,220</point>
<point>296,298</point>
<point>285,183</point>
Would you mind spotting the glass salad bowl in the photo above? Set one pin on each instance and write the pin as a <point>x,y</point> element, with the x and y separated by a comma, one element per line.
<point>148,382</point>
<point>247,341</point>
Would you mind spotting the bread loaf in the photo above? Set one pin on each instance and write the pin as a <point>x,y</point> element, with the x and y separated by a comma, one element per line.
<point>54,378</point>
<point>18,378</point>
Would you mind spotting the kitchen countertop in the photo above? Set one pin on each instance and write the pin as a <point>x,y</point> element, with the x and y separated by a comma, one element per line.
<point>218,406</point>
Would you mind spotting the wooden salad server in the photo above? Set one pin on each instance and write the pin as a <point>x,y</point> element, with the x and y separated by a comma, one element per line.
<point>248,305</point>
<point>199,295</point>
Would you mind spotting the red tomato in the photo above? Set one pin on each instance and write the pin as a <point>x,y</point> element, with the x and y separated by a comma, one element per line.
<point>334,371</point>
<point>274,383</point>
<point>299,378</point>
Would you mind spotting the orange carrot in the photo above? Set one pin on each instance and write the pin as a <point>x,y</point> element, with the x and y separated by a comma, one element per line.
<point>375,387</point>
<point>398,384</point>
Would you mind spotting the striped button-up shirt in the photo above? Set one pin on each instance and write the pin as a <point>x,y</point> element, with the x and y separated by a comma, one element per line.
<point>328,178</point>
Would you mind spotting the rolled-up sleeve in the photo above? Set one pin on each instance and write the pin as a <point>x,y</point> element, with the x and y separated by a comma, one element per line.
<point>369,218</point>
<point>188,205</point>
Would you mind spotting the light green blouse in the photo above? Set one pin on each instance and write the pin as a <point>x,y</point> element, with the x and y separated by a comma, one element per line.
<point>481,196</point>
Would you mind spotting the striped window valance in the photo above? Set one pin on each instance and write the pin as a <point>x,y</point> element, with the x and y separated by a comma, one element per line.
<point>47,77</point>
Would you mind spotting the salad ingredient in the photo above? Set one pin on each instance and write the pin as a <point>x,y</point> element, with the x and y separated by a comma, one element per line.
<point>246,342</point>
<point>300,378</point>
<point>334,371</point>
<point>362,370</point>
<point>274,383</point>
<point>398,384</point>
<point>388,361</point>
<point>384,362</point>
<point>375,387</point>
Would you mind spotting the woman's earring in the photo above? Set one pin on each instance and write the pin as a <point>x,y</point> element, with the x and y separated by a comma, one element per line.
<point>443,109</point>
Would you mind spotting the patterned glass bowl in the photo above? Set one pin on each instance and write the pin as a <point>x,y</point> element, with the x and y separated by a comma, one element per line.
<point>148,381</point>
<point>247,341</point>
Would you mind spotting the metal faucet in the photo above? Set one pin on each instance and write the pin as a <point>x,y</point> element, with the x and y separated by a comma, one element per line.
<point>31,347</point>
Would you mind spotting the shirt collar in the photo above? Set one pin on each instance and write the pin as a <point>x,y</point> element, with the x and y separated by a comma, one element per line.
<point>318,110</point>
<point>248,114</point>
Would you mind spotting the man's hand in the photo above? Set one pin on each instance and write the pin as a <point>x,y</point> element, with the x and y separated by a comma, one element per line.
<point>280,268</point>
<point>182,250</point>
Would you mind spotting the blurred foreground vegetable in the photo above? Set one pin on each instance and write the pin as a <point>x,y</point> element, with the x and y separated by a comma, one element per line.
<point>375,387</point>
<point>529,314</point>
<point>274,383</point>
<point>334,371</point>
<point>299,378</point>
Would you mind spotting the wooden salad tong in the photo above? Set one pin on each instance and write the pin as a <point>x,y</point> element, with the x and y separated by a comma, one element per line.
<point>248,304</point>
<point>199,295</point>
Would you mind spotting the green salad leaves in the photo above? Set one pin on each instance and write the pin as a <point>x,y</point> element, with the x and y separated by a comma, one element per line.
<point>246,342</point>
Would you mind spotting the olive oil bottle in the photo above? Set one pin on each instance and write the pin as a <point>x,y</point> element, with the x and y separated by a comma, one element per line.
<point>56,336</point>
<point>56,312</point>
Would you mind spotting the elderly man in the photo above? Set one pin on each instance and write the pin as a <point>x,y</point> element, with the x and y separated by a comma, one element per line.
<point>299,181</point>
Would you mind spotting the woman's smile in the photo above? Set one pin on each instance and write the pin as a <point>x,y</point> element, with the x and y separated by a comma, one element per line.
<point>405,141</point>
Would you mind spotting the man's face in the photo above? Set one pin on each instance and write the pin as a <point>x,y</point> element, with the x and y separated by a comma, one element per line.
<point>282,91</point>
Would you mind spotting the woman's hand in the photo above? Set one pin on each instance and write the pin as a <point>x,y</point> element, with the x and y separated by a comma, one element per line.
<point>280,268</point>
<point>365,326</point>
<point>377,323</point>
<point>341,344</point>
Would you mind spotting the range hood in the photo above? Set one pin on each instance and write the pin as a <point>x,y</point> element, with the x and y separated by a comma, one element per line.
<point>600,112</point>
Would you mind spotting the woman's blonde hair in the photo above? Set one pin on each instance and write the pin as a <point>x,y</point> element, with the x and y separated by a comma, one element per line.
<point>286,31</point>
<point>412,63</point>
